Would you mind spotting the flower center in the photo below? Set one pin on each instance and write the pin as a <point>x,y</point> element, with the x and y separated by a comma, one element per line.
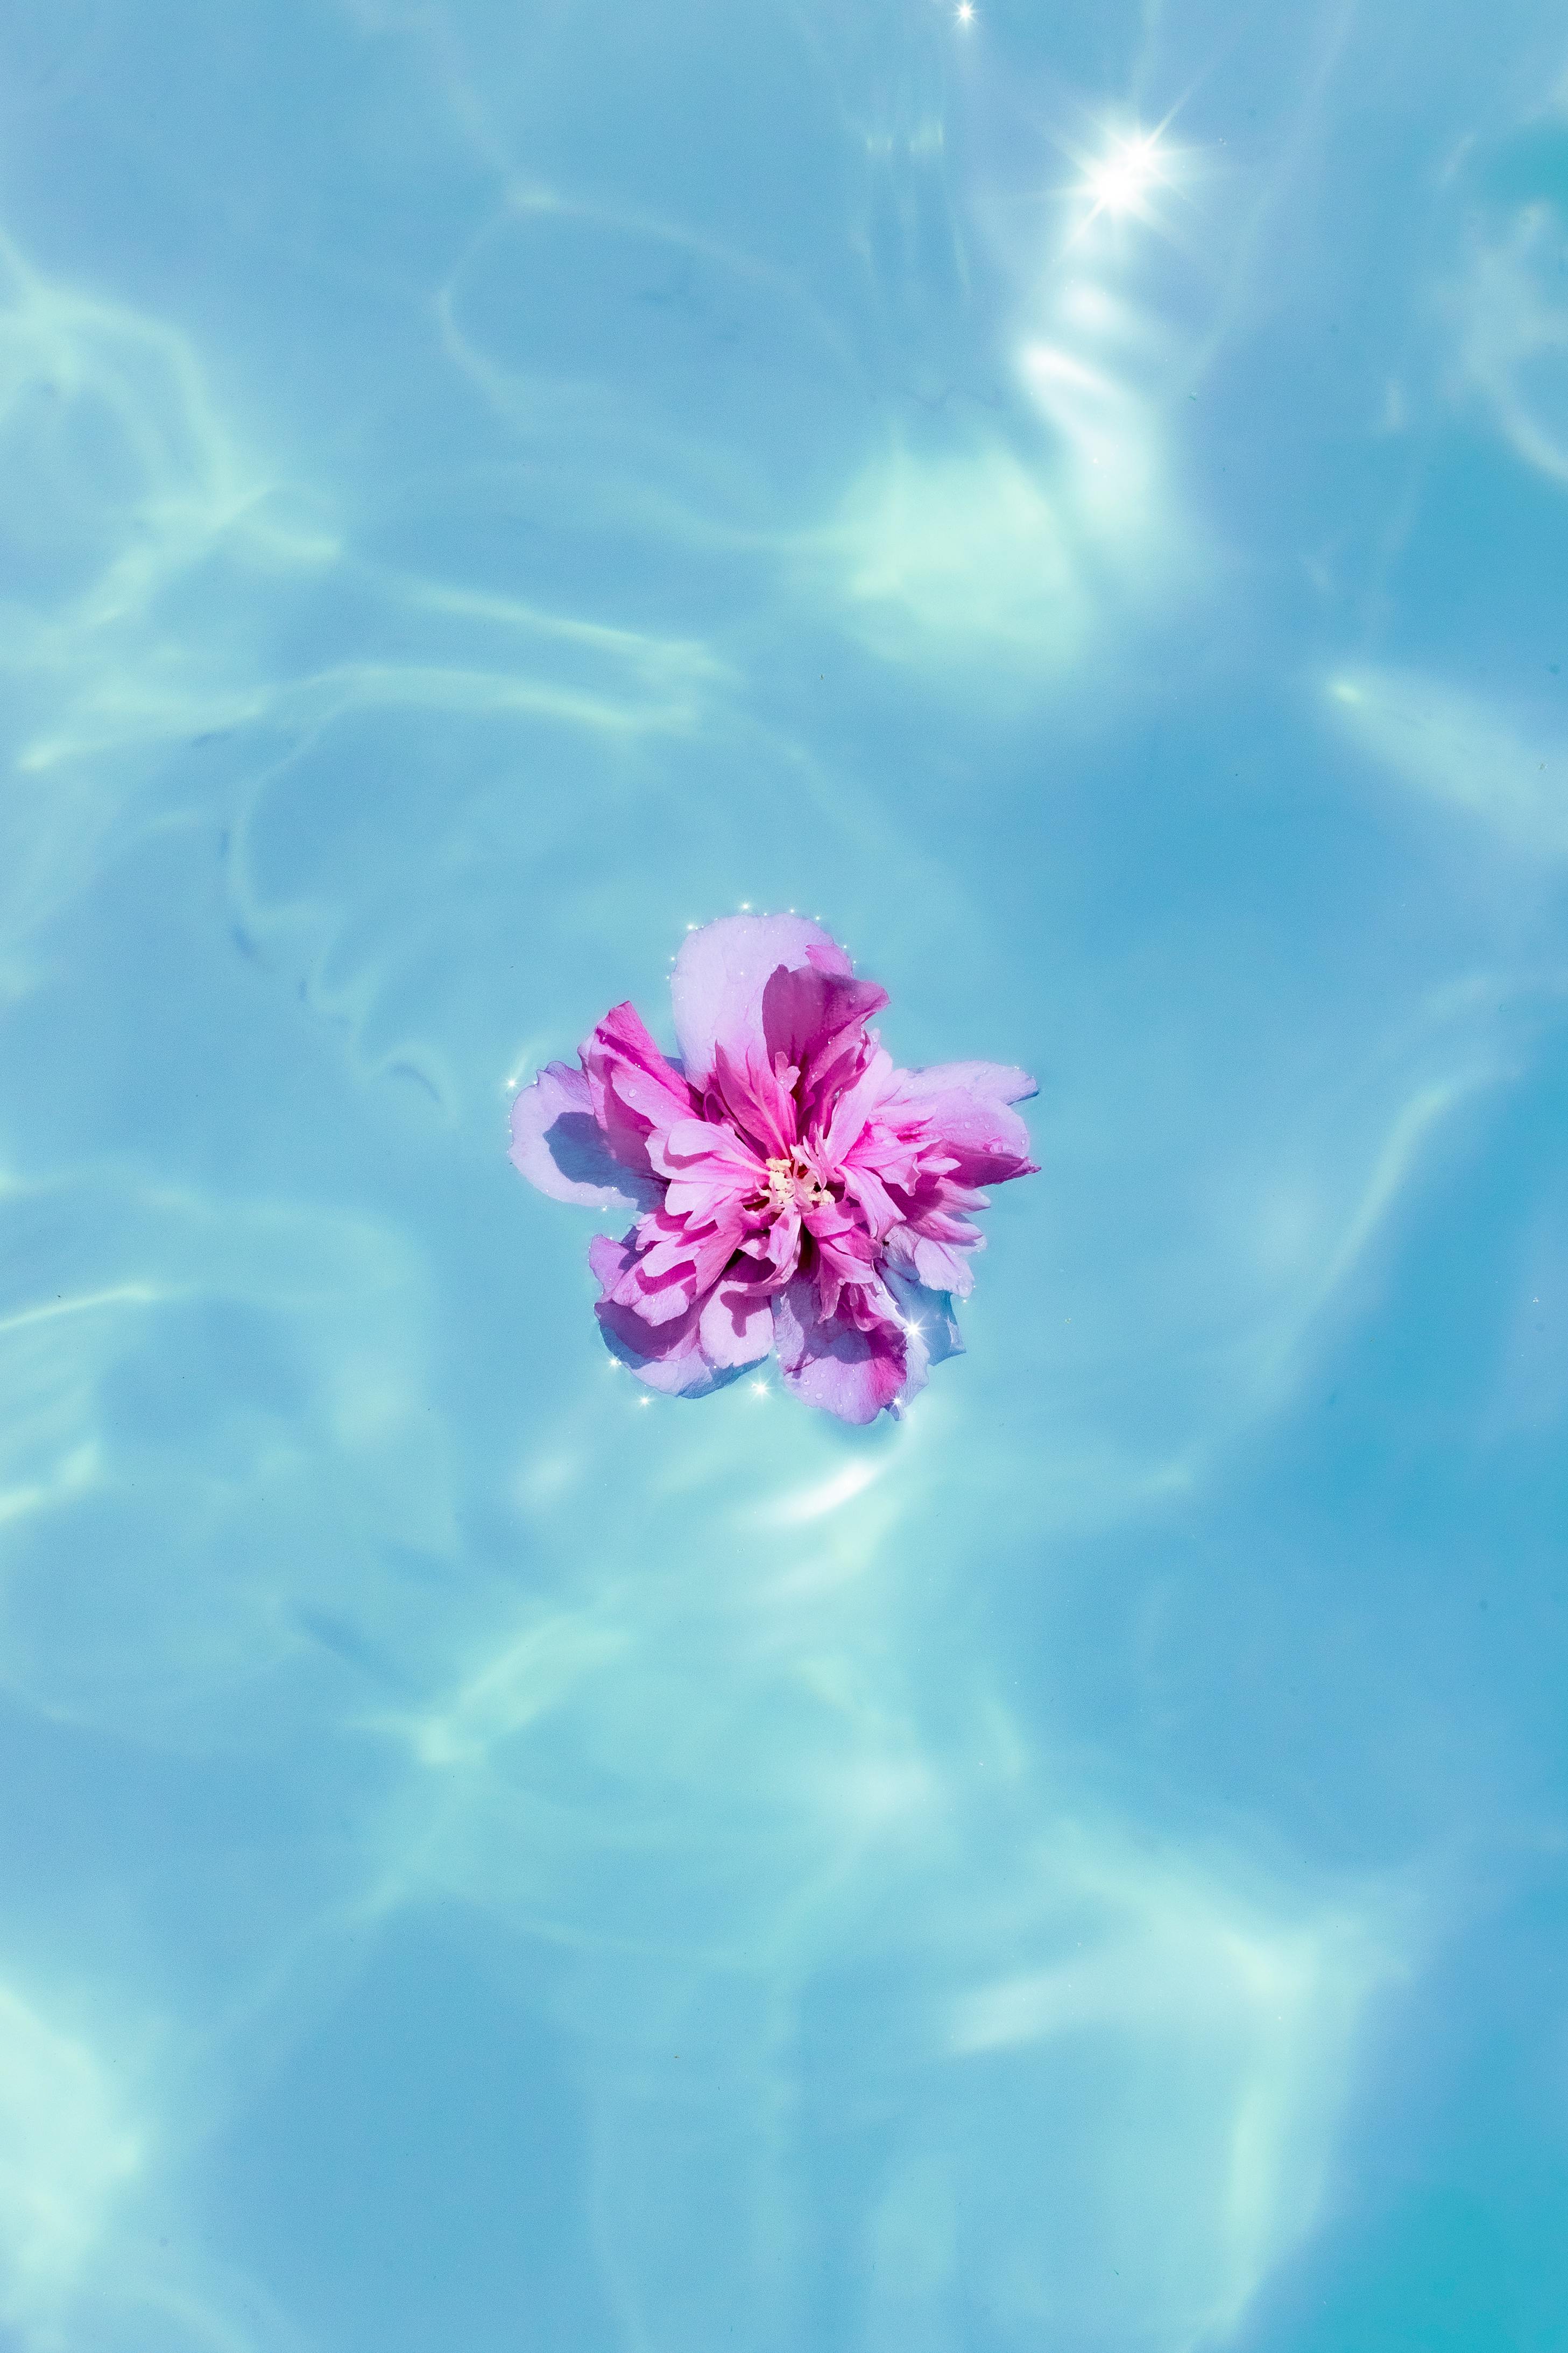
<point>793,1184</point>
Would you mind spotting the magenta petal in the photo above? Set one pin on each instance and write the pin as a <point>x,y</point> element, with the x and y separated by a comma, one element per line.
<point>677,1362</point>
<point>855,1105</point>
<point>557,1145</point>
<point>871,1196</point>
<point>719,976</point>
<point>650,1273</point>
<point>829,1362</point>
<point>637,1096</point>
<point>758,1101</point>
<point>666,1355</point>
<point>805,1011</point>
<point>683,1348</point>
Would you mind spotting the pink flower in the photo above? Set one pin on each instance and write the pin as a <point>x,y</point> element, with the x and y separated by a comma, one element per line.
<point>795,1191</point>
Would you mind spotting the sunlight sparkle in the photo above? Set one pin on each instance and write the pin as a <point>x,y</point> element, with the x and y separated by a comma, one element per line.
<point>1120,180</point>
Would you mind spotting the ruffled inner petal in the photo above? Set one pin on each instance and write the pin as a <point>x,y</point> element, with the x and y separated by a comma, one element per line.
<point>637,1096</point>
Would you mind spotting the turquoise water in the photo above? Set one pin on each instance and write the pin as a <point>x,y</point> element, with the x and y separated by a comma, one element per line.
<point>1078,501</point>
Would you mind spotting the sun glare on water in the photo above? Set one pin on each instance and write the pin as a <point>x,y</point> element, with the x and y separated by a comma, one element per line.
<point>1121,181</point>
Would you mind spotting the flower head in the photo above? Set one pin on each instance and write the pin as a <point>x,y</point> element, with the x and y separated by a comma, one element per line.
<point>793,1190</point>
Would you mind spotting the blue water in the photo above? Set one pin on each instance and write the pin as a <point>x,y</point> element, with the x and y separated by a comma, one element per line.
<point>1078,498</point>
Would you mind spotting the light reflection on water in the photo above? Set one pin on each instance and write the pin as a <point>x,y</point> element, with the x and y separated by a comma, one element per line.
<point>1085,515</point>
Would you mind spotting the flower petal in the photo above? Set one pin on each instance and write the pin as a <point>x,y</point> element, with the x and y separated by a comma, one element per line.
<point>994,1081</point>
<point>636,1094</point>
<point>935,1264</point>
<point>667,1356</point>
<point>736,1324</point>
<point>805,1010</point>
<point>719,979</point>
<point>558,1144</point>
<point>831,1363</point>
<point>930,1313</point>
<point>758,1101</point>
<point>855,1106</point>
<point>966,1105</point>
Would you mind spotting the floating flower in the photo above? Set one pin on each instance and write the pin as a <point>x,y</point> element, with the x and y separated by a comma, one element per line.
<point>795,1191</point>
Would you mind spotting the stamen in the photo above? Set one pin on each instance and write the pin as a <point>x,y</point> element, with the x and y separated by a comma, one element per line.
<point>793,1183</point>
<point>781,1183</point>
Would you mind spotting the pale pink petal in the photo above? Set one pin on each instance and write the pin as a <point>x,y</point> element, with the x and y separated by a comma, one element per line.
<point>831,1363</point>
<point>935,1265</point>
<point>557,1145</point>
<point>714,1194</point>
<point>966,1105</point>
<point>609,1258</point>
<point>995,1082</point>
<point>736,1324</point>
<point>930,1315</point>
<point>937,1222</point>
<point>679,1370</point>
<point>719,976</point>
<point>918,1361</point>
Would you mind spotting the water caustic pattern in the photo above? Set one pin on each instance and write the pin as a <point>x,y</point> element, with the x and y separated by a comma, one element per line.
<point>1072,505</point>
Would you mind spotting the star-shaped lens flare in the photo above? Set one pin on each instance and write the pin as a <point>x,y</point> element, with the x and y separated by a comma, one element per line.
<point>1128,178</point>
<point>1121,181</point>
